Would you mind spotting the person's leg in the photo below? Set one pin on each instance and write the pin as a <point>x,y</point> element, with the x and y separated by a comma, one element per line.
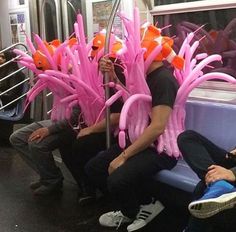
<point>130,183</point>
<point>39,156</point>
<point>196,224</point>
<point>83,149</point>
<point>51,176</point>
<point>19,140</point>
<point>96,168</point>
<point>124,185</point>
<point>200,153</point>
<point>97,172</point>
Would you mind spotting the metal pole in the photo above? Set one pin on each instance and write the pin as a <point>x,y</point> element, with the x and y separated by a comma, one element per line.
<point>106,75</point>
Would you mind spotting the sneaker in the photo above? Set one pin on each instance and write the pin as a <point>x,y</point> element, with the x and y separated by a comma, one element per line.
<point>36,184</point>
<point>219,196</point>
<point>44,190</point>
<point>146,214</point>
<point>113,219</point>
<point>86,199</point>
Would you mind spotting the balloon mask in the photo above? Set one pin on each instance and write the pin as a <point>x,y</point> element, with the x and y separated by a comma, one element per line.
<point>99,43</point>
<point>41,60</point>
<point>151,37</point>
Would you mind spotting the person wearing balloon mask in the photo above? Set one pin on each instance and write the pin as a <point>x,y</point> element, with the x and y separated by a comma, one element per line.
<point>216,191</point>
<point>36,142</point>
<point>127,175</point>
<point>91,140</point>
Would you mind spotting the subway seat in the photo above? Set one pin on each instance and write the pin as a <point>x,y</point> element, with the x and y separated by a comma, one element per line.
<point>214,119</point>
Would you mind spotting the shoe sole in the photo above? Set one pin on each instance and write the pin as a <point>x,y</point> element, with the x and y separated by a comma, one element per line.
<point>114,225</point>
<point>209,207</point>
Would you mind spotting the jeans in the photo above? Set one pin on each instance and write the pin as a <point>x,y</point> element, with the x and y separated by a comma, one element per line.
<point>131,184</point>
<point>38,155</point>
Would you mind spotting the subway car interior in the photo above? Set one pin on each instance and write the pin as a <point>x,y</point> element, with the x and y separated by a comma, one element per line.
<point>68,66</point>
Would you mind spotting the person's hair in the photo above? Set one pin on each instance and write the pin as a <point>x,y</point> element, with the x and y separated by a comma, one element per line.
<point>9,55</point>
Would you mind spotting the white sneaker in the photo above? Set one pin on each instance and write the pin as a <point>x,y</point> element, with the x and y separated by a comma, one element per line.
<point>145,215</point>
<point>113,219</point>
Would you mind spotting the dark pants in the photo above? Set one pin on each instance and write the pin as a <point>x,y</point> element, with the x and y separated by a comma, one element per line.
<point>83,149</point>
<point>200,153</point>
<point>131,184</point>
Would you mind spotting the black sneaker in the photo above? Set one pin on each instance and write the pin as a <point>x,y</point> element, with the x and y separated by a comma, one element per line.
<point>45,190</point>
<point>86,199</point>
<point>36,184</point>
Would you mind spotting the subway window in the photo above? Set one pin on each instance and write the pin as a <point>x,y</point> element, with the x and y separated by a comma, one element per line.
<point>161,2</point>
<point>214,27</point>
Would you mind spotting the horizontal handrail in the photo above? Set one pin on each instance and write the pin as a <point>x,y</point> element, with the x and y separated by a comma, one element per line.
<point>21,96</point>
<point>13,87</point>
<point>20,69</point>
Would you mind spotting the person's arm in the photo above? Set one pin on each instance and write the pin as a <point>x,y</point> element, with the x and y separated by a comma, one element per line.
<point>234,168</point>
<point>159,119</point>
<point>101,126</point>
<point>41,133</point>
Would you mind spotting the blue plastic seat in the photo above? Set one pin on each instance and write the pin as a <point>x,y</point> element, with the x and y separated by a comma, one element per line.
<point>18,111</point>
<point>181,177</point>
<point>214,120</point>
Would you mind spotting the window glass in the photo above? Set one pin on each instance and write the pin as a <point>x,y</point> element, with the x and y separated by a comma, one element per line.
<point>73,8</point>
<point>50,21</point>
<point>165,2</point>
<point>218,36</point>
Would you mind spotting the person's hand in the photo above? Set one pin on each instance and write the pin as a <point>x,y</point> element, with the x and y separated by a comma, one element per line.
<point>85,131</point>
<point>106,65</point>
<point>116,163</point>
<point>39,134</point>
<point>216,173</point>
<point>233,151</point>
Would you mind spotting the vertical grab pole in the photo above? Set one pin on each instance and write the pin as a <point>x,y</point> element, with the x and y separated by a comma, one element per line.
<point>106,75</point>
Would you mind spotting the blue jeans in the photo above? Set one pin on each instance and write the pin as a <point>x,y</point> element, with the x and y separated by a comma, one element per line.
<point>39,155</point>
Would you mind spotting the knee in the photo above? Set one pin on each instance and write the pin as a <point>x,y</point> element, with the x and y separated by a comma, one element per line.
<point>15,139</point>
<point>184,137</point>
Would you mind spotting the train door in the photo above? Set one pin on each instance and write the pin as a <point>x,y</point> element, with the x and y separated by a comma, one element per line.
<point>56,18</point>
<point>50,19</point>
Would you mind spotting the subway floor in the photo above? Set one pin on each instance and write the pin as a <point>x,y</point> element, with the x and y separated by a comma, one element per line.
<point>21,211</point>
